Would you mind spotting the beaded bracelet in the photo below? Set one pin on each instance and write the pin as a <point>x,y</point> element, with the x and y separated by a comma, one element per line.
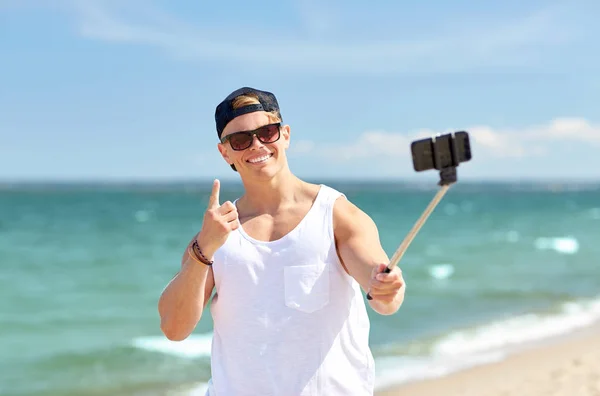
<point>195,252</point>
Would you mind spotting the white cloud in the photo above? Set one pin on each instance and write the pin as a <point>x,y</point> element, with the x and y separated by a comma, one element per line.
<point>486,141</point>
<point>372,144</point>
<point>498,144</point>
<point>520,42</point>
<point>534,140</point>
<point>577,129</point>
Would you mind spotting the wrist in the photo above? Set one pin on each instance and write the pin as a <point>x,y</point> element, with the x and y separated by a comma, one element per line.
<point>197,255</point>
<point>206,248</point>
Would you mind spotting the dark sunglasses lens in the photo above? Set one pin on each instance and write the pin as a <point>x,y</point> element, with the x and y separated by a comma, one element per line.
<point>240,141</point>
<point>268,133</point>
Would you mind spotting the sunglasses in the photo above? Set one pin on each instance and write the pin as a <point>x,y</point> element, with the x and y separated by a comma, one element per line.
<point>242,140</point>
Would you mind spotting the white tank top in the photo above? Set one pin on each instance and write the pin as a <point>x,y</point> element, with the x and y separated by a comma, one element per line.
<point>288,319</point>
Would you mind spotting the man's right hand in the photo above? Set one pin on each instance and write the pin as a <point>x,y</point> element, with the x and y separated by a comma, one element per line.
<point>219,221</point>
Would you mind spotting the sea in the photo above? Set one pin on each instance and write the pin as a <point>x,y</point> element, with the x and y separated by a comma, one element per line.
<point>82,265</point>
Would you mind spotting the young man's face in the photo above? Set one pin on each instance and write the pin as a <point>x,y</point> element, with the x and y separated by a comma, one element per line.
<point>259,158</point>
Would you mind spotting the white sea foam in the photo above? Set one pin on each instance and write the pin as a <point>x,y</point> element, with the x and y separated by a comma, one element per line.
<point>454,352</point>
<point>441,271</point>
<point>198,390</point>
<point>394,370</point>
<point>520,329</point>
<point>564,245</point>
<point>484,344</point>
<point>194,346</point>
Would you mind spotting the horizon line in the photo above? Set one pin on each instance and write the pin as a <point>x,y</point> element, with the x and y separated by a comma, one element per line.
<point>194,180</point>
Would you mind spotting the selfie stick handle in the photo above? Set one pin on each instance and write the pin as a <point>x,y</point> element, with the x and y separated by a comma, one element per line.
<point>447,178</point>
<point>416,228</point>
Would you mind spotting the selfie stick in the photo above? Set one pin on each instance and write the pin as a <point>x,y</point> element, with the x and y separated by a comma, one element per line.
<point>445,156</point>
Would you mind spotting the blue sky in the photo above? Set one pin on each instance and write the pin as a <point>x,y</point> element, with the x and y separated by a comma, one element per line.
<point>123,89</point>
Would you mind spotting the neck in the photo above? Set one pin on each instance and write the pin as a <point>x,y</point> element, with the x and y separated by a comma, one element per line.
<point>268,195</point>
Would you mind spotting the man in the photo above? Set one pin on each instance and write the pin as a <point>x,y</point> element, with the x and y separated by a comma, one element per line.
<point>288,260</point>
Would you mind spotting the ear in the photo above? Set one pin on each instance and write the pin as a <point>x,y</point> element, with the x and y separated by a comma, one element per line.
<point>223,150</point>
<point>285,134</point>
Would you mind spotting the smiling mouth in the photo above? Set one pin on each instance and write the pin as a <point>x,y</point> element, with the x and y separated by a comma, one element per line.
<point>260,159</point>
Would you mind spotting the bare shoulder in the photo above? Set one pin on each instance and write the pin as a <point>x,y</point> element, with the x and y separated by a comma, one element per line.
<point>349,220</point>
<point>357,241</point>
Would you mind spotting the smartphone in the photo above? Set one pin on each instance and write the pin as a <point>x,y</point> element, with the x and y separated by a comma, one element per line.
<point>441,151</point>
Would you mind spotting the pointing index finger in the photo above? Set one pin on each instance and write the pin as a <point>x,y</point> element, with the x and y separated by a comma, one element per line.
<point>213,201</point>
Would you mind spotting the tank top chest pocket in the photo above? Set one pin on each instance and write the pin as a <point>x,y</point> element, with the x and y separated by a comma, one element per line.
<point>306,287</point>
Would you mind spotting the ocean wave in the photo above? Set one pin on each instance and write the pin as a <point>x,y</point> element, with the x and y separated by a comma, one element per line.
<point>441,271</point>
<point>482,344</point>
<point>458,350</point>
<point>520,329</point>
<point>195,346</point>
<point>564,245</point>
<point>395,370</point>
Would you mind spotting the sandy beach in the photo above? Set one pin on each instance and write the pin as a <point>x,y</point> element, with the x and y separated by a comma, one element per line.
<point>569,366</point>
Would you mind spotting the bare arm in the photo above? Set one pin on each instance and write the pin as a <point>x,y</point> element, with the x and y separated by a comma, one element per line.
<point>182,302</point>
<point>361,253</point>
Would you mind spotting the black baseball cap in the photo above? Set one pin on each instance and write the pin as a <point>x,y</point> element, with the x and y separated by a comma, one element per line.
<point>225,112</point>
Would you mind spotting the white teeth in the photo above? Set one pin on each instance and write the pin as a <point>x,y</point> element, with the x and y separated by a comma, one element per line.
<point>259,159</point>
